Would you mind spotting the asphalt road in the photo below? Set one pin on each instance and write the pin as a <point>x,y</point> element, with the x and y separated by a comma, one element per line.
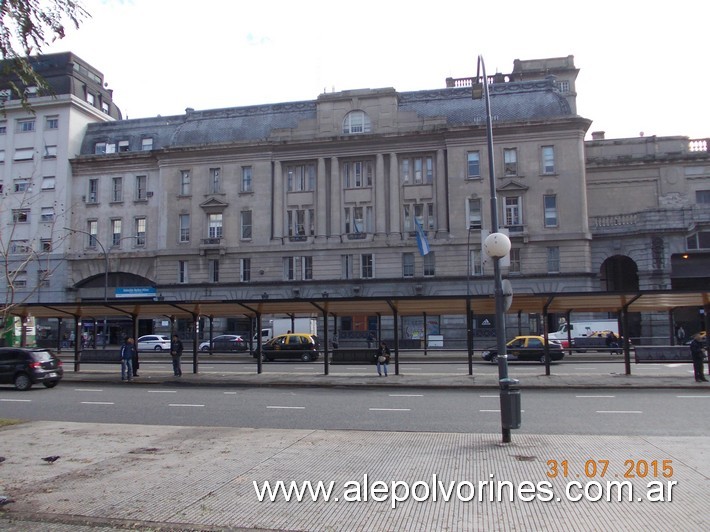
<point>615,412</point>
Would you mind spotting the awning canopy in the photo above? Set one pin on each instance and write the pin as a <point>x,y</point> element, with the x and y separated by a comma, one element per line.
<point>643,301</point>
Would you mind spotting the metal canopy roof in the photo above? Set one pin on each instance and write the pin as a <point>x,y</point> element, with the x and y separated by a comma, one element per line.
<point>644,301</point>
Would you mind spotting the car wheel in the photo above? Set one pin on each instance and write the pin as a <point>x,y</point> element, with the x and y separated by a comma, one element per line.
<point>542,359</point>
<point>306,357</point>
<point>205,348</point>
<point>23,382</point>
<point>494,359</point>
<point>50,384</point>
<point>158,348</point>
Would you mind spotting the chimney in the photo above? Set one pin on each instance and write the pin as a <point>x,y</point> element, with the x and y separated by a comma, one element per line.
<point>598,135</point>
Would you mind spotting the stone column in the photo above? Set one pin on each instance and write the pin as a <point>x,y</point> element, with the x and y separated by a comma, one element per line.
<point>380,198</point>
<point>321,201</point>
<point>394,203</point>
<point>440,196</point>
<point>278,214</point>
<point>336,198</point>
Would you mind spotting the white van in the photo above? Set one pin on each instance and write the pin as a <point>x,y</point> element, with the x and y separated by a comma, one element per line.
<point>583,328</point>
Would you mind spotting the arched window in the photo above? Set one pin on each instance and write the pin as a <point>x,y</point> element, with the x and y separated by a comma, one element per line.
<point>356,122</point>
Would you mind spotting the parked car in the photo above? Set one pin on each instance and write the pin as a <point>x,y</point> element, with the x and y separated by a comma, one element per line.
<point>153,342</point>
<point>25,367</point>
<point>303,346</point>
<point>225,342</point>
<point>527,348</point>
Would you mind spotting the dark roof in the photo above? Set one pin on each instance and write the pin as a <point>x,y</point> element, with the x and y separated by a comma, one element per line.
<point>454,107</point>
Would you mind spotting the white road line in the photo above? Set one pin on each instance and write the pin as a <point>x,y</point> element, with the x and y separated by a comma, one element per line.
<point>412,369</point>
<point>17,400</point>
<point>184,404</point>
<point>693,396</point>
<point>230,393</point>
<point>489,396</point>
<point>406,395</point>
<point>289,407</point>
<point>594,396</point>
<point>162,391</point>
<point>97,403</point>
<point>88,390</point>
<point>390,409</point>
<point>495,411</point>
<point>619,412</point>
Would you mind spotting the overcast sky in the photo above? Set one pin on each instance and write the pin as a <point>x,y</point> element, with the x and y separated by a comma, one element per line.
<point>643,67</point>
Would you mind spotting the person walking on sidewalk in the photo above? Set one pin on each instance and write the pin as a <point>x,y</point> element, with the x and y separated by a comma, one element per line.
<point>176,353</point>
<point>383,358</point>
<point>697,353</point>
<point>127,352</point>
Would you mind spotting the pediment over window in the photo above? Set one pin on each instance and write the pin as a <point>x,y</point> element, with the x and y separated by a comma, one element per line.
<point>512,186</point>
<point>213,206</point>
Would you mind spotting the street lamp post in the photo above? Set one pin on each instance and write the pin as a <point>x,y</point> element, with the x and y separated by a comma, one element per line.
<point>497,246</point>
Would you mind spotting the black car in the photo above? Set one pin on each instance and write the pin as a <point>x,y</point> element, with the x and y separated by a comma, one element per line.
<point>24,367</point>
<point>302,346</point>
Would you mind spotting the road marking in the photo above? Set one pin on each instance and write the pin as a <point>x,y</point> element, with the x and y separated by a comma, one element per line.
<point>17,400</point>
<point>88,390</point>
<point>230,393</point>
<point>693,396</point>
<point>489,396</point>
<point>289,407</point>
<point>406,395</point>
<point>619,412</point>
<point>162,391</point>
<point>412,369</point>
<point>495,411</point>
<point>184,404</point>
<point>390,409</point>
<point>96,403</point>
<point>594,396</point>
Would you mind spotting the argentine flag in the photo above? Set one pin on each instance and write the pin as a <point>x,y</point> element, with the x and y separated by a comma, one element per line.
<point>422,242</point>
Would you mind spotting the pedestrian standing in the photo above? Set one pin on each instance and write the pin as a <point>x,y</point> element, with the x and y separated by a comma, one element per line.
<point>127,352</point>
<point>679,334</point>
<point>176,353</point>
<point>136,362</point>
<point>383,358</point>
<point>697,353</point>
<point>370,339</point>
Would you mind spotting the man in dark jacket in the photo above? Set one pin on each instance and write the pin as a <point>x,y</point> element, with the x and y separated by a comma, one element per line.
<point>176,353</point>
<point>697,353</point>
<point>128,350</point>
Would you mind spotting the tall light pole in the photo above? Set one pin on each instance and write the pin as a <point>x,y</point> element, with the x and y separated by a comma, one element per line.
<point>497,246</point>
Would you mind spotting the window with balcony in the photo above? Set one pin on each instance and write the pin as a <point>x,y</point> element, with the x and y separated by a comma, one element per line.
<point>548,159</point>
<point>550,205</point>
<point>246,185</point>
<point>422,213</point>
<point>300,178</point>
<point>214,226</point>
<point>358,174</point>
<point>510,162</point>
<point>296,223</point>
<point>473,165</point>
<point>514,213</point>
<point>358,221</point>
<point>184,228</point>
<point>245,224</point>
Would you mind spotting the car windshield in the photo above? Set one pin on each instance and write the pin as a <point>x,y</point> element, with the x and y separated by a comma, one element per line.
<point>41,356</point>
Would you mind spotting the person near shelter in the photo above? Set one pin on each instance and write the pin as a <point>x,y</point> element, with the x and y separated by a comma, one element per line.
<point>383,358</point>
<point>679,334</point>
<point>698,354</point>
<point>176,348</point>
<point>136,362</point>
<point>127,352</point>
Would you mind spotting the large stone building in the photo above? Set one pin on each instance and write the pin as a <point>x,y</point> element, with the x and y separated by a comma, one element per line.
<point>36,144</point>
<point>314,198</point>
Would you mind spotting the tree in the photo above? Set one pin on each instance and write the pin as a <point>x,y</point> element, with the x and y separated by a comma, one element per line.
<point>26,26</point>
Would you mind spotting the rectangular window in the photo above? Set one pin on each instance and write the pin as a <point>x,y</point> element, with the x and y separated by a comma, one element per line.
<point>296,222</point>
<point>289,269</point>
<point>182,271</point>
<point>301,177</point>
<point>244,270</point>
<point>141,187</point>
<point>510,161</point>
<point>117,189</point>
<point>45,245</point>
<point>513,211</point>
<point>245,225</point>
<point>214,270</point>
<point>548,159</point>
<point>48,182</point>
<point>92,228</point>
<point>367,266</point>
<point>429,264</point>
<point>476,262</point>
<point>406,177</point>
<point>474,164</point>
<point>475,216</point>
<point>123,146</point>
<point>215,183</point>
<point>19,246</point>
<point>146,144</point>
<point>185,182</point>
<point>550,203</point>
<point>93,196</point>
<point>553,259</point>
<point>702,196</point>
<point>214,229</point>
<point>52,122</point>
<point>358,174</point>
<point>246,179</point>
<point>43,278</point>
<point>407,265</point>
<point>50,152</point>
<point>18,278</point>
<point>184,224</point>
<point>116,232</point>
<point>141,225</point>
<point>346,262</point>
<point>21,185</point>
<point>307,268</point>
<point>99,148</point>
<point>3,124</point>
<point>24,154</point>
<point>90,98</point>
<point>21,216</point>
<point>514,260</point>
<point>47,214</point>
<point>105,107</point>
<point>25,125</point>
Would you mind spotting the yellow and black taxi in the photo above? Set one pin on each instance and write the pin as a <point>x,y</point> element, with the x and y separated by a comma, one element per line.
<point>301,346</point>
<point>527,349</point>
